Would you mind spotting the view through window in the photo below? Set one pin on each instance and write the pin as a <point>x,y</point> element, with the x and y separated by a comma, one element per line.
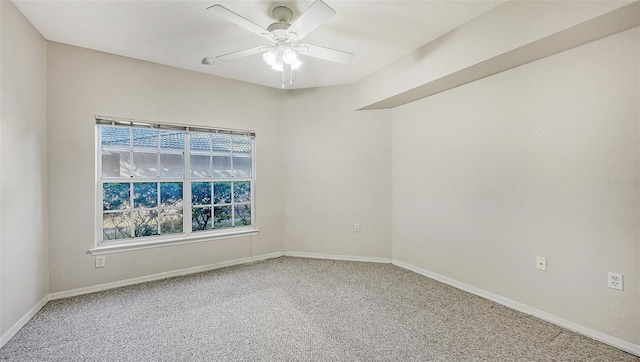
<point>158,182</point>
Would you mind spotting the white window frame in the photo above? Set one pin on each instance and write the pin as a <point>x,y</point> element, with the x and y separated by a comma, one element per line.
<point>188,236</point>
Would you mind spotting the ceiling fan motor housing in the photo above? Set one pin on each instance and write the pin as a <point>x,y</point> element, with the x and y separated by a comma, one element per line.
<point>278,26</point>
<point>282,14</point>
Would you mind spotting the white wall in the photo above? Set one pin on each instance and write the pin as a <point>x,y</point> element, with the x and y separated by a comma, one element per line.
<point>337,173</point>
<point>527,163</point>
<point>24,276</point>
<point>84,83</point>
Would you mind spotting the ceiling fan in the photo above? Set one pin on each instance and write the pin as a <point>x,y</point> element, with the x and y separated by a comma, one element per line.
<point>282,53</point>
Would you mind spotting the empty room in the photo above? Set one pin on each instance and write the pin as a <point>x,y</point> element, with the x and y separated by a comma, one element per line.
<point>319,180</point>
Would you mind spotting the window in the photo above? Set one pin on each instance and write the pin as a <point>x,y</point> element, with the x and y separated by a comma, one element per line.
<point>160,182</point>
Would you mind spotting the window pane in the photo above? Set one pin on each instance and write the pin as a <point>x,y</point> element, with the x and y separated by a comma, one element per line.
<point>171,194</point>
<point>116,164</point>
<point>222,192</point>
<point>171,165</point>
<point>145,164</point>
<point>145,195</point>
<point>116,225</point>
<point>171,221</point>
<point>147,138</point>
<point>172,140</point>
<point>199,166</point>
<point>221,143</point>
<point>221,167</point>
<point>201,218</point>
<point>201,193</point>
<point>242,144</point>
<point>115,196</point>
<point>222,217</point>
<point>241,191</point>
<point>199,141</point>
<point>146,222</point>
<point>242,167</point>
<point>243,215</point>
<point>115,136</point>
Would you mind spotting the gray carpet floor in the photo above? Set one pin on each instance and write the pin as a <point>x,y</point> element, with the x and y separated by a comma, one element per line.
<point>294,309</point>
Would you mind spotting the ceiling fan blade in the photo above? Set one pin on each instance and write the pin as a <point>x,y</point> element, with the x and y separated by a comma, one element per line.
<point>317,14</point>
<point>332,55</point>
<point>241,54</point>
<point>230,16</point>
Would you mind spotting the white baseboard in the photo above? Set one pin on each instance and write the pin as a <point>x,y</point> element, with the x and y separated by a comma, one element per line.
<point>551,318</point>
<point>158,276</point>
<point>277,254</point>
<point>24,320</point>
<point>599,336</point>
<point>369,259</point>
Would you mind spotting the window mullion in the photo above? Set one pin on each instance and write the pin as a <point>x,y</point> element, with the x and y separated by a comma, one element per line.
<point>233,175</point>
<point>186,200</point>
<point>252,183</point>
<point>210,171</point>
<point>233,214</point>
<point>131,167</point>
<point>233,169</point>
<point>213,215</point>
<point>158,206</point>
<point>131,210</point>
<point>158,151</point>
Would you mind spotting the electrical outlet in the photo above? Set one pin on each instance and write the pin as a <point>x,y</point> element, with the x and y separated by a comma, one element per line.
<point>101,261</point>
<point>356,228</point>
<point>541,263</point>
<point>615,281</point>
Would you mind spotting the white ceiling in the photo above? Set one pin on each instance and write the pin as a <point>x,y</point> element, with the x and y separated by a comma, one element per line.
<point>181,33</point>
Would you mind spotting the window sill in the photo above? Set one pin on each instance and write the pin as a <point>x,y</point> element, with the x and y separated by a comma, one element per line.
<point>191,239</point>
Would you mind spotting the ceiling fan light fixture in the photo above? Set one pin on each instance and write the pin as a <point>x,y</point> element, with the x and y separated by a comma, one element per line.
<point>289,56</point>
<point>270,57</point>
<point>278,65</point>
